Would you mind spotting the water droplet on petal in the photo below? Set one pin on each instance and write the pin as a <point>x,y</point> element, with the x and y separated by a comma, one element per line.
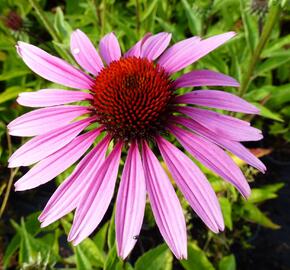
<point>76,51</point>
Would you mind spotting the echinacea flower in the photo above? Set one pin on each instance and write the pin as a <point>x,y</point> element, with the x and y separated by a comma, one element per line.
<point>133,100</point>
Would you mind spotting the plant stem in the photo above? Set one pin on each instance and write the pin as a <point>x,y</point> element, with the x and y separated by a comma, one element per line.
<point>42,17</point>
<point>138,17</point>
<point>50,29</point>
<point>11,178</point>
<point>270,22</point>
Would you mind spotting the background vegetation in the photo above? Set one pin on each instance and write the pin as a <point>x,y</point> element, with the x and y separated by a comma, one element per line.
<point>258,57</point>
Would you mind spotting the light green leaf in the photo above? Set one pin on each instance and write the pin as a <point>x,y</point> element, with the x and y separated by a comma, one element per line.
<point>265,193</point>
<point>228,263</point>
<point>197,259</point>
<point>81,259</point>
<point>227,211</point>
<point>159,258</point>
<point>268,113</point>
<point>271,64</point>
<point>254,214</point>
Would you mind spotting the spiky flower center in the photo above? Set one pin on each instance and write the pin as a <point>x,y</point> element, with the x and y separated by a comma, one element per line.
<point>132,98</point>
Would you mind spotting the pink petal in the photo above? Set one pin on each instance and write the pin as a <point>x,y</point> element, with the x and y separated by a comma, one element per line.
<point>53,68</point>
<point>204,77</point>
<point>131,202</point>
<point>165,204</point>
<point>85,53</point>
<point>176,59</point>
<point>212,157</point>
<point>223,125</point>
<point>155,45</point>
<point>217,99</point>
<point>136,49</point>
<point>96,199</point>
<point>43,145</point>
<point>68,194</point>
<point>58,162</point>
<point>109,48</point>
<point>193,184</point>
<point>51,97</point>
<point>235,147</point>
<point>43,120</point>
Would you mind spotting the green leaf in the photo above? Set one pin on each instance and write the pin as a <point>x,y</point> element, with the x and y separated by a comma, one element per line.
<point>81,259</point>
<point>194,22</point>
<point>111,231</point>
<point>13,74</point>
<point>254,214</point>
<point>100,237</point>
<point>113,262</point>
<point>271,63</point>
<point>11,249</point>
<point>11,93</point>
<point>268,113</point>
<point>197,259</point>
<point>228,263</point>
<point>265,193</point>
<point>159,258</point>
<point>227,211</point>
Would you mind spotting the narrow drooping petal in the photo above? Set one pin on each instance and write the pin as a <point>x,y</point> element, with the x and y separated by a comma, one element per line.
<point>176,57</point>
<point>212,157</point>
<point>131,202</point>
<point>96,199</point>
<point>68,194</point>
<point>109,48</point>
<point>53,68</point>
<point>85,53</point>
<point>165,204</point>
<point>58,162</point>
<point>217,99</point>
<point>174,60</point>
<point>223,125</point>
<point>51,97</point>
<point>235,147</point>
<point>155,45</point>
<point>44,120</point>
<point>136,49</point>
<point>43,145</point>
<point>193,184</point>
<point>204,78</point>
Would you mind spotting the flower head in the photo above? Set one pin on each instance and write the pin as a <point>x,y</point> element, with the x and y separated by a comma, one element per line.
<point>134,101</point>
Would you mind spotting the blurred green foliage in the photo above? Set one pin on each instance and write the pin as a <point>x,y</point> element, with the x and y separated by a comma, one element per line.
<point>259,57</point>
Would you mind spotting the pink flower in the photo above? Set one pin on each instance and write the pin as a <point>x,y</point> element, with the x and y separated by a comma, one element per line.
<point>133,100</point>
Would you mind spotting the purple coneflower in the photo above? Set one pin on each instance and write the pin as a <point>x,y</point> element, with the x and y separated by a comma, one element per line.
<point>134,101</point>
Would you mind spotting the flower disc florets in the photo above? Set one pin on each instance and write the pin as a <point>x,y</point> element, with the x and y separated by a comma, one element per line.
<point>132,98</point>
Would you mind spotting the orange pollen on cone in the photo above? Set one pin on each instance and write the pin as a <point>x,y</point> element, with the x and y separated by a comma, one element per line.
<point>132,98</point>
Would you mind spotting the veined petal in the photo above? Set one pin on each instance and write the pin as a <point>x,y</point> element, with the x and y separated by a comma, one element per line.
<point>58,162</point>
<point>174,60</point>
<point>96,199</point>
<point>235,147</point>
<point>176,57</point>
<point>51,97</point>
<point>155,45</point>
<point>204,78</point>
<point>212,157</point>
<point>223,125</point>
<point>68,194</point>
<point>165,204</point>
<point>217,99</point>
<point>53,68</point>
<point>136,49</point>
<point>40,121</point>
<point>193,184</point>
<point>85,53</point>
<point>109,48</point>
<point>43,145</point>
<point>131,202</point>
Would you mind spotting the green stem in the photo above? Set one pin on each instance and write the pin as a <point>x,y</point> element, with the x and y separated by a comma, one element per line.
<point>138,18</point>
<point>50,29</point>
<point>271,20</point>
<point>42,17</point>
<point>11,178</point>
